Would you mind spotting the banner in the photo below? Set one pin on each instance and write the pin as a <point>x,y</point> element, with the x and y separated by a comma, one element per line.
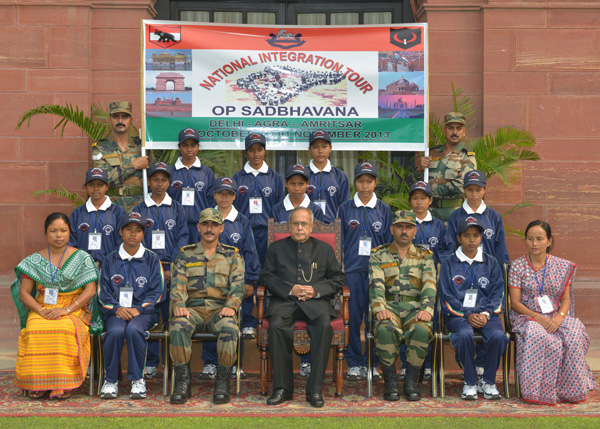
<point>366,85</point>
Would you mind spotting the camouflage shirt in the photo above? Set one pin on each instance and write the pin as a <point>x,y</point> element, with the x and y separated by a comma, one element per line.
<point>407,283</point>
<point>446,173</point>
<point>211,283</point>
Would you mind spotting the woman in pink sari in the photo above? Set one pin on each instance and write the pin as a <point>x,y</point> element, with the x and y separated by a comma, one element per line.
<point>552,343</point>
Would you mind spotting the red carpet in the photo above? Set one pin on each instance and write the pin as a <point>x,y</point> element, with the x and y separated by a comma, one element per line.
<point>250,403</point>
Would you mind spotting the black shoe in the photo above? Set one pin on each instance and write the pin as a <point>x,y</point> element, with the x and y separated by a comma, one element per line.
<point>411,386</point>
<point>279,396</point>
<point>221,393</point>
<point>183,384</point>
<point>315,399</point>
<point>390,378</point>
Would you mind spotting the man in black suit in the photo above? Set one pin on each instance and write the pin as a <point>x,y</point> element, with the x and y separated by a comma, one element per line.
<point>302,274</point>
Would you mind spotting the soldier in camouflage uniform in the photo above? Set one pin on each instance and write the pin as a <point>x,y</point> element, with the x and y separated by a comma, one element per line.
<point>402,294</point>
<point>206,293</point>
<point>447,167</point>
<point>121,157</point>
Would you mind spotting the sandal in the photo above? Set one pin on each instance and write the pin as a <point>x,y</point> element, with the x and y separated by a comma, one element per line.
<point>64,396</point>
<point>37,394</point>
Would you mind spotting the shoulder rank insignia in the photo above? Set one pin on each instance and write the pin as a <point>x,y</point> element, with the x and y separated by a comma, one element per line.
<point>194,264</point>
<point>389,265</point>
<point>471,153</point>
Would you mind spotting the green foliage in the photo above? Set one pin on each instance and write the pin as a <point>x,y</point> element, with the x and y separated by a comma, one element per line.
<point>93,129</point>
<point>391,181</point>
<point>62,192</point>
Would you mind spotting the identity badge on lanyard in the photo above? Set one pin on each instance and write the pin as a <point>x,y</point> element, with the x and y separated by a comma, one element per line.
<point>544,300</point>
<point>320,202</point>
<point>188,193</point>
<point>470,300</point>
<point>126,293</point>
<point>95,238</point>
<point>50,296</point>
<point>424,241</point>
<point>158,236</point>
<point>255,203</point>
<point>364,244</point>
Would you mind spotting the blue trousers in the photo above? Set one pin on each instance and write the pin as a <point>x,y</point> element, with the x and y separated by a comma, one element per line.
<point>358,283</point>
<point>119,330</point>
<point>261,239</point>
<point>154,349</point>
<point>494,342</point>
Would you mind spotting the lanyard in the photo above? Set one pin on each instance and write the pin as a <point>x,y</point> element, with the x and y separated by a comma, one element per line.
<point>324,173</point>
<point>190,178</point>
<point>96,221</point>
<point>365,225</point>
<point>159,217</point>
<point>423,239</point>
<point>53,274</point>
<point>540,286</point>
<point>223,235</point>
<point>256,183</point>
<point>129,275</point>
<point>471,277</point>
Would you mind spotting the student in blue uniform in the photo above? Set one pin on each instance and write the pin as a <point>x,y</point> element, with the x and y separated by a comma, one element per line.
<point>237,233</point>
<point>296,182</point>
<point>130,289</point>
<point>167,232</point>
<point>431,233</point>
<point>259,189</point>
<point>328,186</point>
<point>95,225</point>
<point>471,290</point>
<point>191,182</point>
<point>366,222</point>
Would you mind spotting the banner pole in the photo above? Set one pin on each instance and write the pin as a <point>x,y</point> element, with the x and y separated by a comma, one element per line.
<point>142,130</point>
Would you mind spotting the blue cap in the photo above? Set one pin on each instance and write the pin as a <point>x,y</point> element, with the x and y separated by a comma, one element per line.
<point>365,168</point>
<point>297,169</point>
<point>135,217</point>
<point>96,173</point>
<point>467,223</point>
<point>189,133</point>
<point>255,138</point>
<point>225,184</point>
<point>159,166</point>
<point>319,134</point>
<point>421,186</point>
<point>474,177</point>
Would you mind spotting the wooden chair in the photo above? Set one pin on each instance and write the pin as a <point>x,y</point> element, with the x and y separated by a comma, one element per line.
<point>331,234</point>
<point>442,336</point>
<point>512,344</point>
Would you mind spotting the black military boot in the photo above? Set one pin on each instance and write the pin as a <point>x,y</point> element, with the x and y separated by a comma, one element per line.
<point>221,394</point>
<point>411,386</point>
<point>183,384</point>
<point>390,378</point>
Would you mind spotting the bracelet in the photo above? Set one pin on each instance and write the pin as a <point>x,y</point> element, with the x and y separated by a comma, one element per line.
<point>534,315</point>
<point>78,304</point>
<point>561,313</point>
<point>42,309</point>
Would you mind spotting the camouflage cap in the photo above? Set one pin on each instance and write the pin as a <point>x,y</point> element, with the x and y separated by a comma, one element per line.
<point>404,216</point>
<point>211,214</point>
<point>454,117</point>
<point>120,107</point>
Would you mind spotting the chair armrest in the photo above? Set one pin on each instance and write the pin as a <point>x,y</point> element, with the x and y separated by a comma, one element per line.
<point>345,298</point>
<point>260,296</point>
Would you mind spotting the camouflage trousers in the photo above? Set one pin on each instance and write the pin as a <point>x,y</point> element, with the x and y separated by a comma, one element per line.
<point>389,333</point>
<point>181,330</point>
<point>128,202</point>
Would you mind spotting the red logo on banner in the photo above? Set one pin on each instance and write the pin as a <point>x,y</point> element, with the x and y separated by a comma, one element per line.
<point>405,38</point>
<point>286,40</point>
<point>164,36</point>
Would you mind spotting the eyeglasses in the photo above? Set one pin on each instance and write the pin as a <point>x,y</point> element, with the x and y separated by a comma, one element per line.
<point>302,224</point>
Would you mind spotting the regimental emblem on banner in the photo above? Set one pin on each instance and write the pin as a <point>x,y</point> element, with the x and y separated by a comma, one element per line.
<point>164,36</point>
<point>405,38</point>
<point>285,40</point>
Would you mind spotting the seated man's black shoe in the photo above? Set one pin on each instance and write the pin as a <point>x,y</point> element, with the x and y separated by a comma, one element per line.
<point>279,396</point>
<point>315,399</point>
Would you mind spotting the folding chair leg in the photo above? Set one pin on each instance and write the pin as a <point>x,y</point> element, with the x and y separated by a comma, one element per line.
<point>434,369</point>
<point>92,367</point>
<point>506,369</point>
<point>517,379</point>
<point>166,365</point>
<point>441,370</point>
<point>369,366</point>
<point>238,381</point>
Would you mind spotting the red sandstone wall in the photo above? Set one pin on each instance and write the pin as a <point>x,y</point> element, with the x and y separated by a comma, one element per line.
<point>56,52</point>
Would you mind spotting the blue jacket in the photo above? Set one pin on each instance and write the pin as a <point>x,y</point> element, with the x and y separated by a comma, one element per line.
<point>199,177</point>
<point>147,280</point>
<point>169,217</point>
<point>329,186</point>
<point>106,221</point>
<point>281,214</point>
<point>238,233</point>
<point>455,280</point>
<point>433,233</point>
<point>355,220</point>
<point>493,238</point>
<point>267,185</point>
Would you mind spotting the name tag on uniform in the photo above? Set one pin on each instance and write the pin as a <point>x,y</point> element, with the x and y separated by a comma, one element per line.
<point>50,296</point>
<point>470,298</point>
<point>545,304</point>
<point>158,240</point>
<point>126,297</point>
<point>94,241</point>
<point>187,196</point>
<point>256,206</point>
<point>322,204</point>
<point>427,246</point>
<point>364,246</point>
